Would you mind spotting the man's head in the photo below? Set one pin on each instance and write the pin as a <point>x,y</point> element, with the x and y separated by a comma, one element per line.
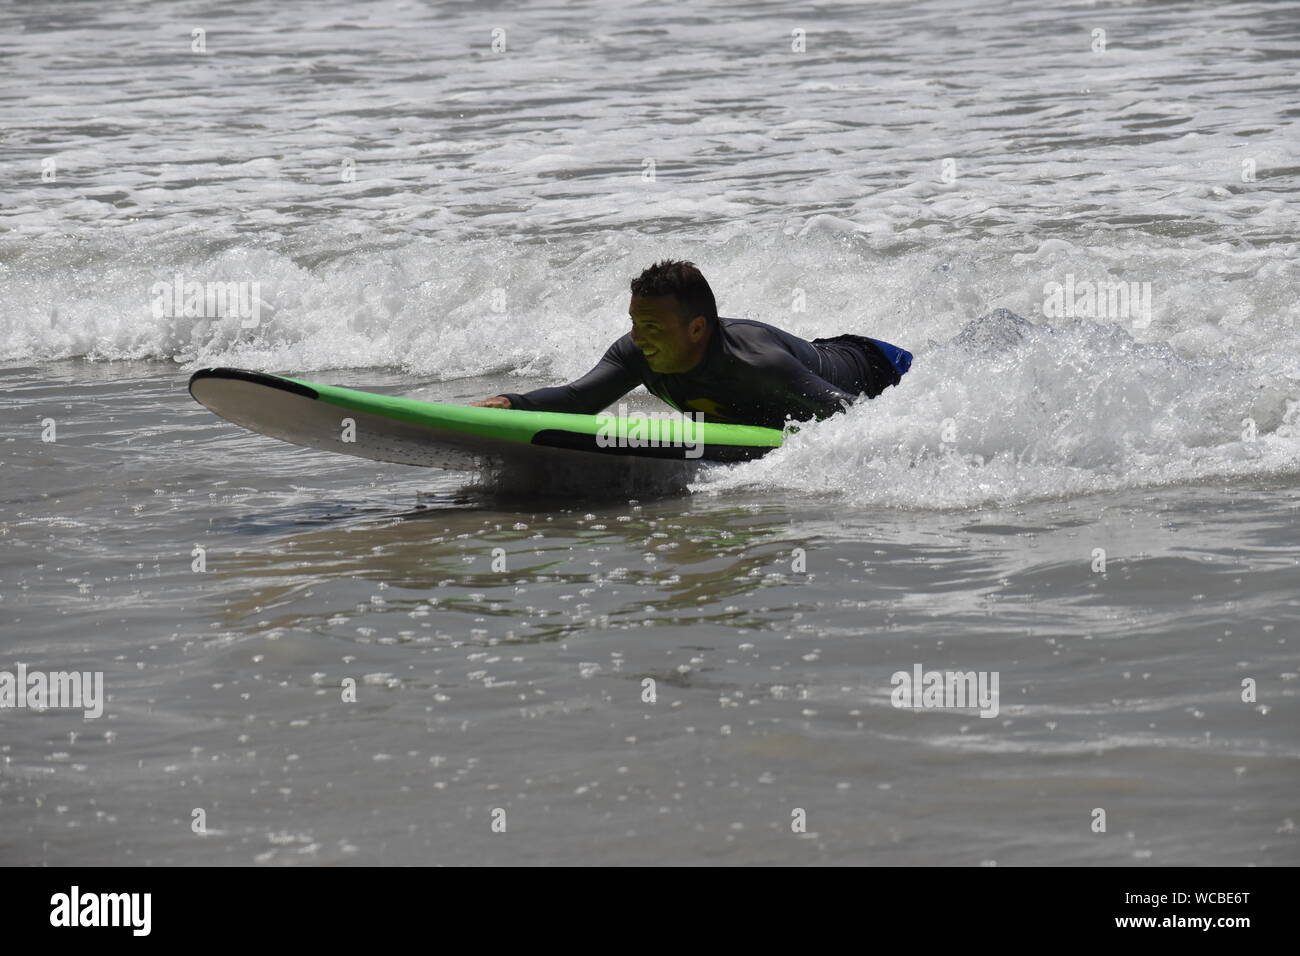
<point>673,314</point>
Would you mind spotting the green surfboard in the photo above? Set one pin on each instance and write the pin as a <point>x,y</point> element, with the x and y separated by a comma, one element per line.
<point>411,432</point>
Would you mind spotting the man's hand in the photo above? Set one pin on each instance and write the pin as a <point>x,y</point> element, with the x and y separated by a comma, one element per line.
<point>496,401</point>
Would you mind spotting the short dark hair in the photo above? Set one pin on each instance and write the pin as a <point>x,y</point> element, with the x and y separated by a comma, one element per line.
<point>685,283</point>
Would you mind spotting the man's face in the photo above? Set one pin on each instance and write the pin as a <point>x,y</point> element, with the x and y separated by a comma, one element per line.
<point>668,344</point>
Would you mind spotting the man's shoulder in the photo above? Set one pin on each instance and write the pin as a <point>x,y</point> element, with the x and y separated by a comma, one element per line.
<point>759,341</point>
<point>741,325</point>
<point>752,328</point>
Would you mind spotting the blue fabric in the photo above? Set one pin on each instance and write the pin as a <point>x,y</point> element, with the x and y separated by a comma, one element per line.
<point>901,359</point>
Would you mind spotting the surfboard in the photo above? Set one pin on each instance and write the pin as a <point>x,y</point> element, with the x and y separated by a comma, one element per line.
<point>457,437</point>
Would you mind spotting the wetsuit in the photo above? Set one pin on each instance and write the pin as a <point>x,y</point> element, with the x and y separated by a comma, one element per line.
<point>751,374</point>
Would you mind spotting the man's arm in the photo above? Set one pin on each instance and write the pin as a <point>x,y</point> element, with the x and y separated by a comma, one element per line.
<point>612,378</point>
<point>806,394</point>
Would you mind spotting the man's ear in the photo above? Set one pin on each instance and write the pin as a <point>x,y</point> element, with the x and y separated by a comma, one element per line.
<point>697,327</point>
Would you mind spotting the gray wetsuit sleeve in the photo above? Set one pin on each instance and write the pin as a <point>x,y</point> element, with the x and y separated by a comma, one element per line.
<point>611,379</point>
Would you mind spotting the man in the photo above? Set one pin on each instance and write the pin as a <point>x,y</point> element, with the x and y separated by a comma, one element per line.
<point>732,370</point>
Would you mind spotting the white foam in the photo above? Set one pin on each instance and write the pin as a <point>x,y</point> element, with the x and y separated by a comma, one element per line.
<point>1076,409</point>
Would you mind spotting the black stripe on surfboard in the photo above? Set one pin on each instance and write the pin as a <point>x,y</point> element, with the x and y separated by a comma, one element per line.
<point>576,441</point>
<point>256,378</point>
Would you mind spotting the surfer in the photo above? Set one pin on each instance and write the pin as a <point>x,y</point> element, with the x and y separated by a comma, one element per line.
<point>735,371</point>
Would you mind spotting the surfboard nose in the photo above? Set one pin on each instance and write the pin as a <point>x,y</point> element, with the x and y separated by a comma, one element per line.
<point>246,375</point>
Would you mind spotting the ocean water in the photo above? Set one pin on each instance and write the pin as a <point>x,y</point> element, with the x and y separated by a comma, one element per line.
<point>1099,503</point>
